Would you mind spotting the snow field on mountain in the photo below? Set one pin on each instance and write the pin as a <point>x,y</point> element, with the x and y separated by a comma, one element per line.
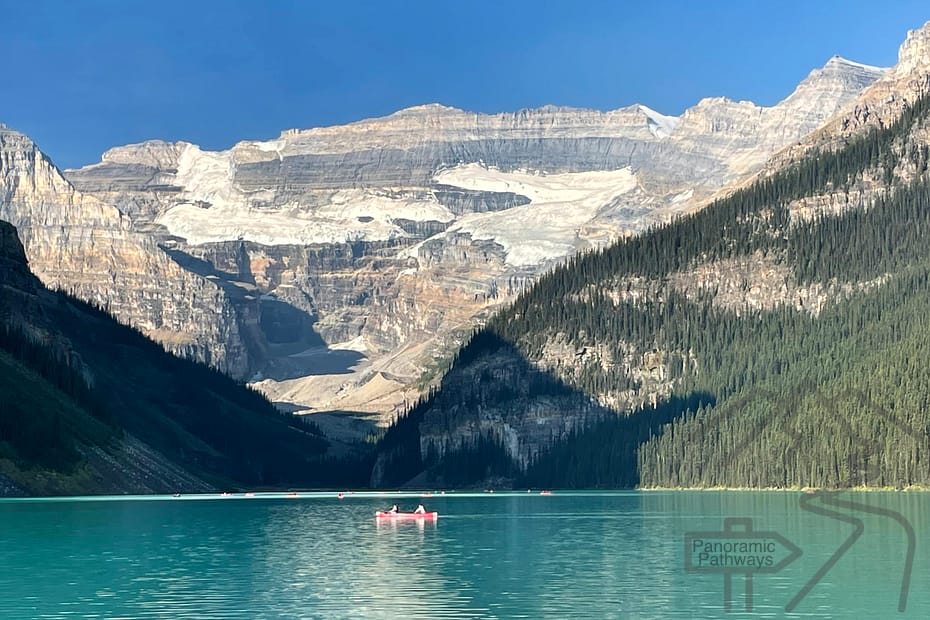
<point>216,210</point>
<point>547,227</point>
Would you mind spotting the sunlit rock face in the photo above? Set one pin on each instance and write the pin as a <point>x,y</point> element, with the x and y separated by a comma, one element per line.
<point>80,244</point>
<point>879,104</point>
<point>345,261</point>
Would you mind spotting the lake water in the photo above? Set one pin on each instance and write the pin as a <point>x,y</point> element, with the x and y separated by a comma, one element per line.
<point>513,555</point>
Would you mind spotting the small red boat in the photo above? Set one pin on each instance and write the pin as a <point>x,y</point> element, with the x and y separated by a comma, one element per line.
<point>407,515</point>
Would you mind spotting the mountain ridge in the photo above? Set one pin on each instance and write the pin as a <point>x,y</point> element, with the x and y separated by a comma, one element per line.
<point>459,211</point>
<point>879,104</point>
<point>836,66</point>
<point>384,241</point>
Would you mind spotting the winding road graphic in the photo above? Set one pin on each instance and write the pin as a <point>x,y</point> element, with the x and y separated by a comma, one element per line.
<point>826,503</point>
<point>830,499</point>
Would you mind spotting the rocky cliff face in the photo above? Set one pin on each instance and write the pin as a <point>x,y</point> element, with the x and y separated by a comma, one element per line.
<point>522,413</point>
<point>361,253</point>
<point>879,104</point>
<point>88,248</point>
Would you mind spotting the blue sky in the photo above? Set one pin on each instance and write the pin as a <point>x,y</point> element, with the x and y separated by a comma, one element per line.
<point>81,76</point>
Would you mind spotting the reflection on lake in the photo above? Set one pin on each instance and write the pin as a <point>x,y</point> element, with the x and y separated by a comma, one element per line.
<point>518,555</point>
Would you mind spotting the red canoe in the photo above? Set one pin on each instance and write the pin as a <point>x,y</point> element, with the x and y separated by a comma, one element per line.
<point>406,515</point>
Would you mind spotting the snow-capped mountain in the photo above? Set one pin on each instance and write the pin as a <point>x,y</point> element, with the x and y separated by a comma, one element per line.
<point>369,248</point>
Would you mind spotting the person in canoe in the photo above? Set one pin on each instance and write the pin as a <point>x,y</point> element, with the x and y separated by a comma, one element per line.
<point>420,510</point>
<point>393,509</point>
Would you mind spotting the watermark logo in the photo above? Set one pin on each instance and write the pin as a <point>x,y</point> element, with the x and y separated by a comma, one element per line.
<point>828,501</point>
<point>738,550</point>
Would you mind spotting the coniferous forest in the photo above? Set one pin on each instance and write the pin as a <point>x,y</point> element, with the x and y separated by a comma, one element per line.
<point>776,398</point>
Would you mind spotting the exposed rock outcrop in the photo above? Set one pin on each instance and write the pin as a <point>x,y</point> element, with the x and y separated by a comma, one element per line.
<point>879,104</point>
<point>86,247</point>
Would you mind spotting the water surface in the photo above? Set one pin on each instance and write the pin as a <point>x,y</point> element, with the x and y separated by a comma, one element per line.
<point>514,555</point>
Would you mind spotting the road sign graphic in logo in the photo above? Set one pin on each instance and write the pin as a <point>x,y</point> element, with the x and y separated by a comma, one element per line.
<point>738,549</point>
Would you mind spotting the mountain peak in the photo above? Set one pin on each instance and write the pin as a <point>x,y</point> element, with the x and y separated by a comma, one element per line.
<point>839,68</point>
<point>154,153</point>
<point>427,108</point>
<point>838,63</point>
<point>914,53</point>
<point>838,74</point>
<point>711,102</point>
<point>4,128</point>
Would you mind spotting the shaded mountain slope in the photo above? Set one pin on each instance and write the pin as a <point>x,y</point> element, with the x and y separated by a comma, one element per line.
<point>89,405</point>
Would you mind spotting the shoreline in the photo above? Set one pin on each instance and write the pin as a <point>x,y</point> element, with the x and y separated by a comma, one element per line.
<point>860,489</point>
<point>435,494</point>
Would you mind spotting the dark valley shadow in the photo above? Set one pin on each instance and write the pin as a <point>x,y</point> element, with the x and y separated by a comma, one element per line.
<point>605,455</point>
<point>285,341</point>
<point>464,433</point>
<point>312,362</point>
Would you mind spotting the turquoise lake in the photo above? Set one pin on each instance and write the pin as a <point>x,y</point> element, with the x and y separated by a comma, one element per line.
<point>501,555</point>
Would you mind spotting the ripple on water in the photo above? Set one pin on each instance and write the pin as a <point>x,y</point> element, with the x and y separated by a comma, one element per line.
<point>501,556</point>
